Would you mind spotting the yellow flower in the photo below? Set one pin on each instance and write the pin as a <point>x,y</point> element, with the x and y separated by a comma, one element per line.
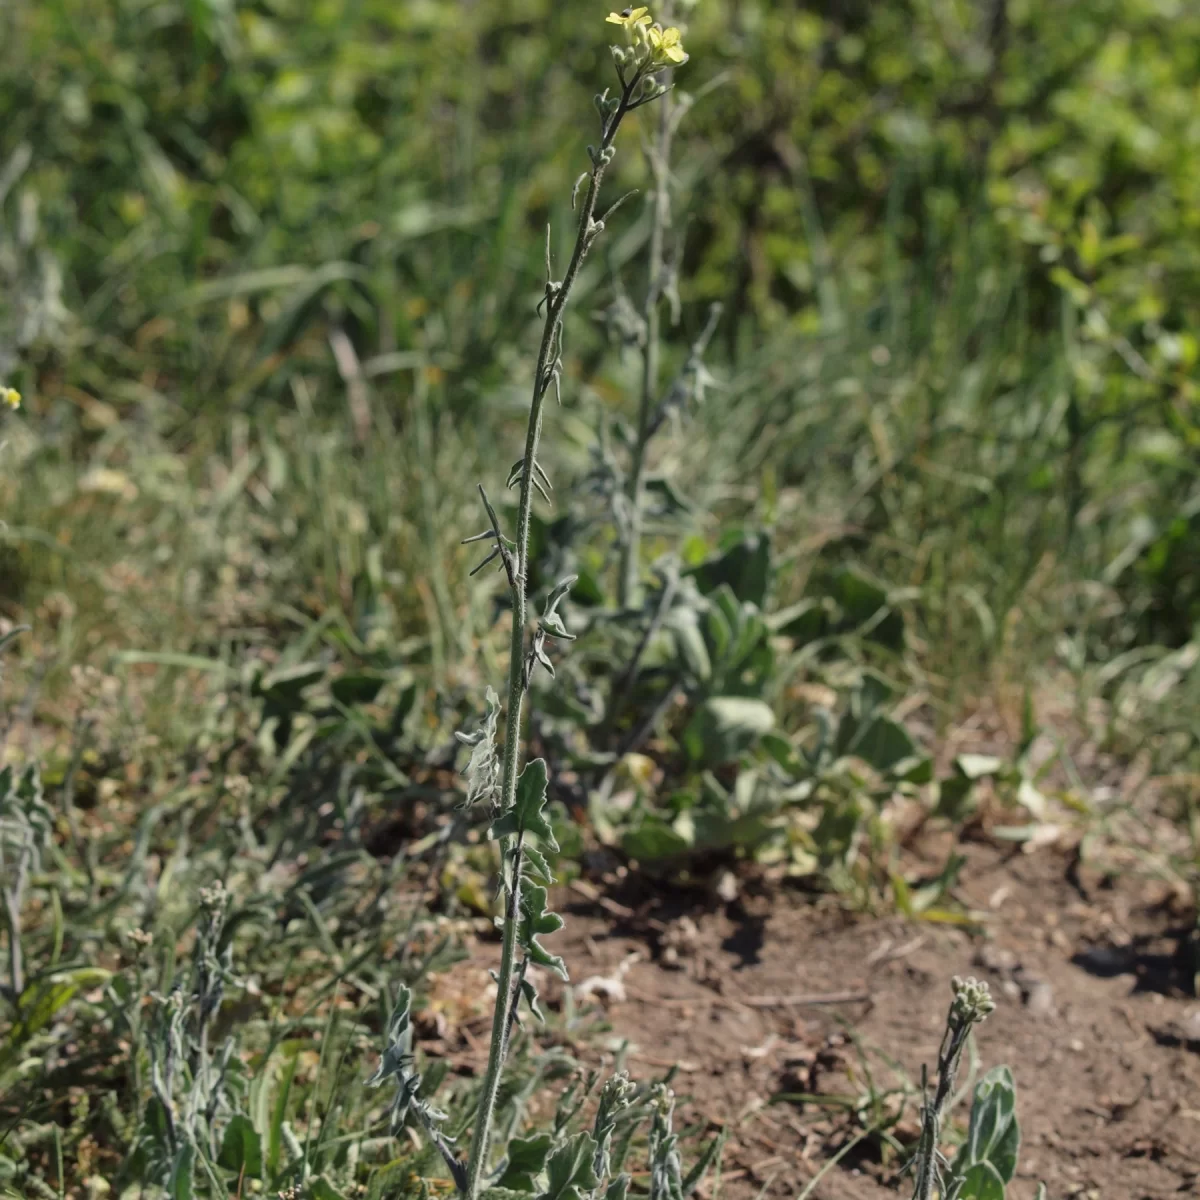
<point>10,396</point>
<point>630,17</point>
<point>667,45</point>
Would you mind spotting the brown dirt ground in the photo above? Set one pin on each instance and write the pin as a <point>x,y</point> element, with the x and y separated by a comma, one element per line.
<point>772,993</point>
<point>1094,1019</point>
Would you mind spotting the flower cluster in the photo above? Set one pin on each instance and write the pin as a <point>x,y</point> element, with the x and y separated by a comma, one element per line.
<point>10,397</point>
<point>651,47</point>
<point>973,1001</point>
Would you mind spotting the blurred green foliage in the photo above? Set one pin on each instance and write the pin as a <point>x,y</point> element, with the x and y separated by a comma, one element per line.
<point>176,142</point>
<point>956,241</point>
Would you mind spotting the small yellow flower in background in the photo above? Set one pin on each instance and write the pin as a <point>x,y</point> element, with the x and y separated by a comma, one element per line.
<point>11,397</point>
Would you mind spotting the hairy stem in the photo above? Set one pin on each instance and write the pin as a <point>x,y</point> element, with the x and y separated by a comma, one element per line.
<point>556,302</point>
<point>927,1156</point>
<point>12,914</point>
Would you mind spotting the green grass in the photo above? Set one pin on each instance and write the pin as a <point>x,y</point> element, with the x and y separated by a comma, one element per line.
<point>268,278</point>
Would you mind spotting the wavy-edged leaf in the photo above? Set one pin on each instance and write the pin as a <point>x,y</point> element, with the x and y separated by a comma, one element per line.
<point>526,1158</point>
<point>527,814</point>
<point>536,920</point>
<point>569,1171</point>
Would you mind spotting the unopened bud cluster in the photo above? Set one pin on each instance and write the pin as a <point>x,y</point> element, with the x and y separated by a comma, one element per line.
<point>973,1001</point>
<point>214,898</point>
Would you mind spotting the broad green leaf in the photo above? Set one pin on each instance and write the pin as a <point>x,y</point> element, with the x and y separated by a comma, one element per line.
<point>981,1182</point>
<point>993,1135</point>
<point>241,1149</point>
<point>718,632</point>
<point>653,840</point>
<point>918,771</point>
<point>725,726</point>
<point>804,622</point>
<point>926,896</point>
<point>882,743</point>
<point>745,567</point>
<point>865,603</point>
<point>873,693</point>
<point>358,688</point>
<point>992,1109</point>
<point>954,794</point>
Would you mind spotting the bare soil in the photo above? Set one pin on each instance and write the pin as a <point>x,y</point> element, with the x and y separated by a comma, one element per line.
<point>773,994</point>
<point>769,994</point>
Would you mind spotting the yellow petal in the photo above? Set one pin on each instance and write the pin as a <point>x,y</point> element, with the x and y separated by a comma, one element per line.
<point>675,54</point>
<point>631,16</point>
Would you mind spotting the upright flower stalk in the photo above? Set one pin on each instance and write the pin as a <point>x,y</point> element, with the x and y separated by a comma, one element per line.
<point>658,157</point>
<point>517,797</point>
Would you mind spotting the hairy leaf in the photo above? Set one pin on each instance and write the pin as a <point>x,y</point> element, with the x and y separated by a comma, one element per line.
<point>536,920</point>
<point>569,1171</point>
<point>527,814</point>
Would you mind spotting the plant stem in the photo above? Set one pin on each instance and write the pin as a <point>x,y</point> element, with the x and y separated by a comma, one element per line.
<point>556,302</point>
<point>12,912</point>
<point>948,1060</point>
<point>658,155</point>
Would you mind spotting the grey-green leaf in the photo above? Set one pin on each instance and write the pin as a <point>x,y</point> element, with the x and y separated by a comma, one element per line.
<point>982,1182</point>
<point>726,726</point>
<point>993,1136</point>
<point>569,1172</point>
<point>526,1159</point>
<point>536,919</point>
<point>527,814</point>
